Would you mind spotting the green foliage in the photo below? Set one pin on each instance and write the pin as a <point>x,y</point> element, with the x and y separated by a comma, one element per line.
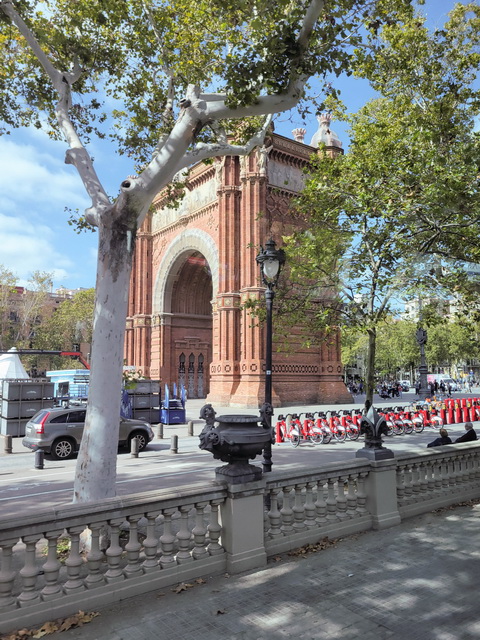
<point>71,323</point>
<point>450,344</point>
<point>406,195</point>
<point>140,56</point>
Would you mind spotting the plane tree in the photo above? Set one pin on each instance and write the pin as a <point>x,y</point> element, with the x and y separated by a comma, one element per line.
<point>177,76</point>
<point>380,222</point>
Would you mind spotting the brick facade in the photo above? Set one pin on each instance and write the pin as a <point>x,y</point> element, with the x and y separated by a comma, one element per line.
<point>193,268</point>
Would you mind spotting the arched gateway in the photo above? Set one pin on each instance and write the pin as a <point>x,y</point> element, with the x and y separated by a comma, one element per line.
<point>194,266</point>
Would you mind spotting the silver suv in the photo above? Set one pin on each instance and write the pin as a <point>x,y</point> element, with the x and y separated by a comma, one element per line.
<point>58,431</point>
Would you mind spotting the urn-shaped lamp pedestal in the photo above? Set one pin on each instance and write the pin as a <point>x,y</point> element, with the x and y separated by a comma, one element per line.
<point>235,439</point>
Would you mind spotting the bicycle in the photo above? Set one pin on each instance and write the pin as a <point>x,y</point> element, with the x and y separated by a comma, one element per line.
<point>336,427</point>
<point>322,423</point>
<point>352,431</point>
<point>400,415</point>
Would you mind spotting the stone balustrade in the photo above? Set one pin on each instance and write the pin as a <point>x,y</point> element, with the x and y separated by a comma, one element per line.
<point>304,506</point>
<point>148,541</point>
<point>437,478</point>
<point>136,544</point>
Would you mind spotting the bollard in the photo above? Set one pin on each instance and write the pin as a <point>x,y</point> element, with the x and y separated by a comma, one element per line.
<point>190,428</point>
<point>39,456</point>
<point>160,431</point>
<point>134,448</point>
<point>8,444</point>
<point>174,444</point>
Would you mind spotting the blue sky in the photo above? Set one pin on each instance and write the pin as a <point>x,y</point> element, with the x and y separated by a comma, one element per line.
<point>36,186</point>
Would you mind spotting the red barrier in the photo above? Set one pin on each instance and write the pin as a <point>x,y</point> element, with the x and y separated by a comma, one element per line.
<point>449,411</point>
<point>443,415</point>
<point>458,412</point>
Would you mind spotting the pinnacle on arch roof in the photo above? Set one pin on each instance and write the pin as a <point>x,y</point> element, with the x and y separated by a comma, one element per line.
<point>324,134</point>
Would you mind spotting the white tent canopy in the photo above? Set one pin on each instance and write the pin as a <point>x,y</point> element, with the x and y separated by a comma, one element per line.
<point>11,367</point>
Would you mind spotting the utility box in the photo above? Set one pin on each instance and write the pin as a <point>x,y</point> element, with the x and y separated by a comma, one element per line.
<point>173,414</point>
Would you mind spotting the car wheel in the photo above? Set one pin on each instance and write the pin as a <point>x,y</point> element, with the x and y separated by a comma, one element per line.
<point>62,449</point>
<point>142,440</point>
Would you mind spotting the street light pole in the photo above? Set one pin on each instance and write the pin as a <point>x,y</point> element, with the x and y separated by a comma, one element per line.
<point>271,261</point>
<point>421,337</point>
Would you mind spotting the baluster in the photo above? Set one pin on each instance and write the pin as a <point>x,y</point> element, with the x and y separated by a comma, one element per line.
<point>473,465</point>
<point>274,516</point>
<point>184,536</point>
<point>415,481</point>
<point>309,506</point>
<point>150,544</point>
<point>29,572</point>
<point>320,504</point>
<point>199,532</point>
<point>430,482</point>
<point>437,475</point>
<point>464,470</point>
<point>51,567</point>
<point>74,562</point>
<point>361,493</point>
<point>114,573</point>
<point>453,473</point>
<point>400,484</point>
<point>445,475</point>
<point>167,539</point>
<point>476,466</point>
<point>94,557</point>
<point>408,482</point>
<point>133,546</point>
<point>287,511</point>
<point>331,501</point>
<point>7,575</point>
<point>214,530</point>
<point>341,499</point>
<point>422,478</point>
<point>298,509</point>
<point>351,496</point>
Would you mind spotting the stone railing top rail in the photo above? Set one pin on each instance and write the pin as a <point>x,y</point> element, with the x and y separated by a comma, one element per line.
<point>68,515</point>
<point>327,470</point>
<point>446,451</point>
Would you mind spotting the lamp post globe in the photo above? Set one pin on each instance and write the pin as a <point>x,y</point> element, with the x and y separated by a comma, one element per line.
<point>271,261</point>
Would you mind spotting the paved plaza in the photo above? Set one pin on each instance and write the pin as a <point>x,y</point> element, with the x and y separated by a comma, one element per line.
<point>418,580</point>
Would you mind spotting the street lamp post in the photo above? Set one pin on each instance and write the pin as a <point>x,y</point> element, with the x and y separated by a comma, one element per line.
<point>271,261</point>
<point>421,336</point>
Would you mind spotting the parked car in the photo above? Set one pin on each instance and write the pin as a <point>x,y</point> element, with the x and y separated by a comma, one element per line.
<point>58,431</point>
<point>405,385</point>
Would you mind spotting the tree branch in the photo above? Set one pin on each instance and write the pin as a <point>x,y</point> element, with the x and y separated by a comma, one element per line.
<point>77,154</point>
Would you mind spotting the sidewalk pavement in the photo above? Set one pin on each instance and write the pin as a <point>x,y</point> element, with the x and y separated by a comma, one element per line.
<point>416,581</point>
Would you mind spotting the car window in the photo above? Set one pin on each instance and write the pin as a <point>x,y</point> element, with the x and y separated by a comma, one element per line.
<point>76,416</point>
<point>62,418</point>
<point>38,417</point>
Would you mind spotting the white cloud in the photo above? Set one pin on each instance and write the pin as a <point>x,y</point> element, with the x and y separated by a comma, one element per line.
<point>27,247</point>
<point>36,187</point>
<point>37,178</point>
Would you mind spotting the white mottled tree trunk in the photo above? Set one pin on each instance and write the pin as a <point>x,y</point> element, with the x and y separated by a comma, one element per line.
<point>96,464</point>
